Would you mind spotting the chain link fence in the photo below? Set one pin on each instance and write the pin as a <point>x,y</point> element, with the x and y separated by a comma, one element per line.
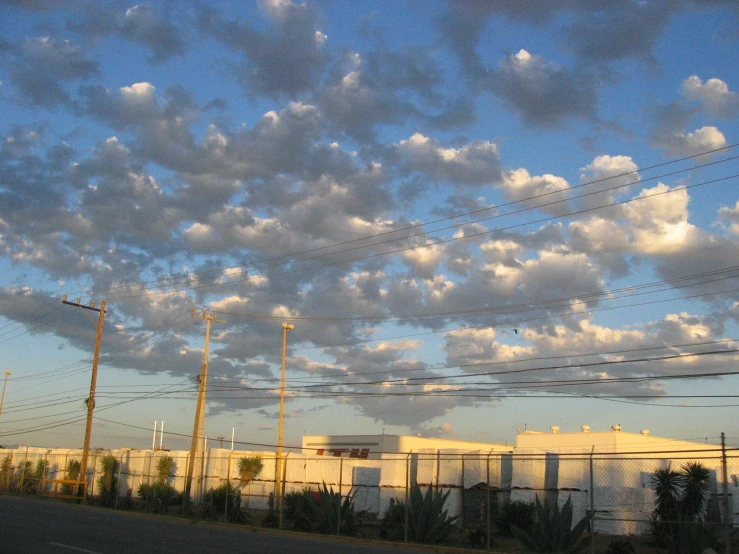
<point>613,490</point>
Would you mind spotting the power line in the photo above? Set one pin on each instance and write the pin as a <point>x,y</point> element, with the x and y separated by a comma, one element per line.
<point>123,295</point>
<point>188,277</point>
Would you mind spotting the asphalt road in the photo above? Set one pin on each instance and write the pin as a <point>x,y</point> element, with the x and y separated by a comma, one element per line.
<point>29,525</point>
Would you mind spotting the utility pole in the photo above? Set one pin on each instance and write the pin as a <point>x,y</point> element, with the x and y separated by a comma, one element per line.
<point>199,424</point>
<point>93,380</point>
<point>5,382</point>
<point>285,328</point>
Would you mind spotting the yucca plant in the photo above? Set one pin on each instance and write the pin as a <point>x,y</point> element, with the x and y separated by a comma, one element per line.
<point>73,474</point>
<point>165,465</point>
<point>39,474</point>
<point>249,469</point>
<point>108,481</point>
<point>552,530</point>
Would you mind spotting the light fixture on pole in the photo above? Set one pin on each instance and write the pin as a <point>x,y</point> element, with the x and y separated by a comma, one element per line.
<point>285,328</point>
<point>5,381</point>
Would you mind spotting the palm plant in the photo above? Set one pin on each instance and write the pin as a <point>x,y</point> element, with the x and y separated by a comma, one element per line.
<point>681,497</point>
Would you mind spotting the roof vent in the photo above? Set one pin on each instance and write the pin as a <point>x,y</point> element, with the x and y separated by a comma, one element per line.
<point>616,427</point>
<point>554,429</point>
<point>585,428</point>
<point>645,432</point>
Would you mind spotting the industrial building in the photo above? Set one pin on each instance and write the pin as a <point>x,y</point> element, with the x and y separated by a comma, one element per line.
<point>373,446</point>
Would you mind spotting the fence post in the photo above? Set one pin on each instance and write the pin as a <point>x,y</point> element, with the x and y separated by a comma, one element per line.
<point>461,479</point>
<point>42,483</point>
<point>23,469</point>
<point>118,492</point>
<point>438,464</point>
<point>282,487</point>
<point>341,475</point>
<point>592,504</point>
<point>228,484</point>
<point>725,490</point>
<point>407,486</point>
<point>10,471</point>
<point>487,503</point>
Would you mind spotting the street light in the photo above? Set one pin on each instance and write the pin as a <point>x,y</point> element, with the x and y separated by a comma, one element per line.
<point>285,328</point>
<point>2,398</point>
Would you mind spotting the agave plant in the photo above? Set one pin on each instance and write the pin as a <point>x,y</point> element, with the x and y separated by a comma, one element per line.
<point>552,531</point>
<point>428,521</point>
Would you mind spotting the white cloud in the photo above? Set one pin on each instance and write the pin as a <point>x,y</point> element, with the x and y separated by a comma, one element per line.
<point>713,96</point>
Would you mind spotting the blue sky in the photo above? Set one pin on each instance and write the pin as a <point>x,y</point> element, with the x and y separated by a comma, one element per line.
<point>449,199</point>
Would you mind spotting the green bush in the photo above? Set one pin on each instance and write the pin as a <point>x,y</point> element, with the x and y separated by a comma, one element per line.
<point>158,497</point>
<point>428,521</point>
<point>301,510</point>
<point>215,501</point>
<point>515,512</point>
<point>72,474</point>
<point>552,530</point>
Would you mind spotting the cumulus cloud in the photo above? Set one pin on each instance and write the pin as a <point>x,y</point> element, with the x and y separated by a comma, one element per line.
<point>476,163</point>
<point>283,60</point>
<point>541,92</point>
<point>689,144</point>
<point>713,96</point>
<point>40,69</point>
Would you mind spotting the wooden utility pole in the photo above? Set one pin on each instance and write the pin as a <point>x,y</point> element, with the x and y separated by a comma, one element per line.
<point>199,424</point>
<point>93,380</point>
<point>279,492</point>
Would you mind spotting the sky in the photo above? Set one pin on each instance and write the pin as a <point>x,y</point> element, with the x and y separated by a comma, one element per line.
<point>480,217</point>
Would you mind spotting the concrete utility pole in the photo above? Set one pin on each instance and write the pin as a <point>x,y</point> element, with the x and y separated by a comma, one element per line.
<point>5,382</point>
<point>199,424</point>
<point>93,380</point>
<point>285,328</point>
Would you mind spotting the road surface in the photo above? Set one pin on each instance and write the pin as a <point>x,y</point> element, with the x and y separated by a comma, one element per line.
<point>30,525</point>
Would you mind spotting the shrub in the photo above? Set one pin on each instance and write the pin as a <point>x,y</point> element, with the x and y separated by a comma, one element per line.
<point>620,546</point>
<point>72,474</point>
<point>300,510</point>
<point>428,521</point>
<point>6,471</point>
<point>552,530</point>
<point>215,502</point>
<point>159,496</point>
<point>271,519</point>
<point>515,512</point>
<point>392,522</point>
<point>108,481</point>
